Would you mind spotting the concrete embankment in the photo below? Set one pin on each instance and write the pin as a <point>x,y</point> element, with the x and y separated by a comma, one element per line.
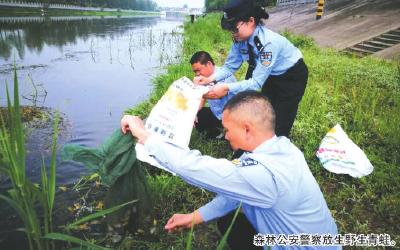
<point>344,23</point>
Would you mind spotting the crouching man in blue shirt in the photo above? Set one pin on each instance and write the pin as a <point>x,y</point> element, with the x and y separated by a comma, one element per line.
<point>272,181</point>
<point>209,118</point>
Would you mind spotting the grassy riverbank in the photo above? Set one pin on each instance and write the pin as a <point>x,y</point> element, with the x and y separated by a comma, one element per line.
<point>5,11</point>
<point>363,95</point>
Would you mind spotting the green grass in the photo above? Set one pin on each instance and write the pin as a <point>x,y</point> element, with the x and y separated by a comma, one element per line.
<point>363,95</point>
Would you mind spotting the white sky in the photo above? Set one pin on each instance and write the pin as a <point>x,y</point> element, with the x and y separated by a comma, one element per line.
<point>177,3</point>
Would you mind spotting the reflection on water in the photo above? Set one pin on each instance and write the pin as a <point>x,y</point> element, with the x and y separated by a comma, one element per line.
<point>35,36</point>
<point>90,70</point>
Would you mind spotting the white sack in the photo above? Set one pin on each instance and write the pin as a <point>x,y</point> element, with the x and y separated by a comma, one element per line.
<point>340,155</point>
<point>173,116</point>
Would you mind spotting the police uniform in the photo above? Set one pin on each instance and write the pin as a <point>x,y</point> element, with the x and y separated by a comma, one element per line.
<point>275,66</point>
<point>209,118</point>
<point>273,184</point>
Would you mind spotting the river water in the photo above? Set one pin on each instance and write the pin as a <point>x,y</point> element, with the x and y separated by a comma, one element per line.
<point>89,69</point>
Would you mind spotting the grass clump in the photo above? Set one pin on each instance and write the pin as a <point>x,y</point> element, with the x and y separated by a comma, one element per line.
<point>35,202</point>
<point>25,195</point>
<point>362,95</point>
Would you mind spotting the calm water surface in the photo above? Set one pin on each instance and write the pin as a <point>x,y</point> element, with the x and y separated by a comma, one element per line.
<point>90,70</point>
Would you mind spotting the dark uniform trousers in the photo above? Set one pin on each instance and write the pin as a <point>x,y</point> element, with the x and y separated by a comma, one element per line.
<point>208,123</point>
<point>242,232</point>
<point>285,92</point>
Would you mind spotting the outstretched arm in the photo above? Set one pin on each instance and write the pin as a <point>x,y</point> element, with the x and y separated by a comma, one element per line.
<point>216,175</point>
<point>180,221</point>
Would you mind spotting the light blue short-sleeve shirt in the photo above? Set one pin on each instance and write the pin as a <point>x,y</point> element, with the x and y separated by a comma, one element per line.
<point>217,105</point>
<point>276,56</point>
<point>278,192</point>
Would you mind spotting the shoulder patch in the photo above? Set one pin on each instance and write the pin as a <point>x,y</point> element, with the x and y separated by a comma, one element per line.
<point>244,162</point>
<point>266,57</point>
<point>249,162</point>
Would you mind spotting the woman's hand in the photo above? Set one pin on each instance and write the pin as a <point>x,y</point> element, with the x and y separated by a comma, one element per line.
<point>136,126</point>
<point>218,91</point>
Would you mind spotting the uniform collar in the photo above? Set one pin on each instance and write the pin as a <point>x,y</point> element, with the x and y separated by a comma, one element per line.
<point>265,145</point>
<point>255,33</point>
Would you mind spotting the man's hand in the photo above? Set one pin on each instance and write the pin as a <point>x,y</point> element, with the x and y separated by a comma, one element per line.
<point>218,91</point>
<point>136,126</point>
<point>202,80</point>
<point>180,221</point>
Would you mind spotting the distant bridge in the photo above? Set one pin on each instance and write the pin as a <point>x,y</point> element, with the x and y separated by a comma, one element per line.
<point>182,11</point>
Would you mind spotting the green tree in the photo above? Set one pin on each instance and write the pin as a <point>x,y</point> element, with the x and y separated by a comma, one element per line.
<point>215,5</point>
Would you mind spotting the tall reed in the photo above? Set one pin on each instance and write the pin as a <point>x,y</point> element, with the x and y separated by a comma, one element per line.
<point>25,195</point>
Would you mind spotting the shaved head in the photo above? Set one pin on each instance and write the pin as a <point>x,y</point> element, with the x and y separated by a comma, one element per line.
<point>252,106</point>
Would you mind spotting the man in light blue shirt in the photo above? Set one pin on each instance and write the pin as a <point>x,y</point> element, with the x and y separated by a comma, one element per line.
<point>272,182</point>
<point>209,118</point>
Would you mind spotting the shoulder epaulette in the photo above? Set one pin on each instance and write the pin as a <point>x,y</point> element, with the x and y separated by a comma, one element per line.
<point>258,44</point>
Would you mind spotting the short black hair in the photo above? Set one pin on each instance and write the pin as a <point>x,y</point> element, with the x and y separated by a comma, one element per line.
<point>201,57</point>
<point>244,97</point>
<point>258,106</point>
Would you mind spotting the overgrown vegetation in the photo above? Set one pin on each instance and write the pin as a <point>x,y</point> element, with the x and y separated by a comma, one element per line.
<point>213,5</point>
<point>34,203</point>
<point>24,195</point>
<point>363,95</point>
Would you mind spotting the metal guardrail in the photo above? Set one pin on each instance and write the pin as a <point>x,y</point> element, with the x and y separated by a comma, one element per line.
<point>13,20</point>
<point>60,6</point>
<point>41,5</point>
<point>293,2</point>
